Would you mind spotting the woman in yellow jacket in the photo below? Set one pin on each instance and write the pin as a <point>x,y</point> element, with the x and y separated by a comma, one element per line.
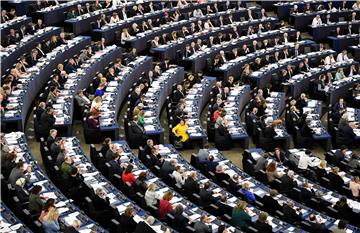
<point>180,131</point>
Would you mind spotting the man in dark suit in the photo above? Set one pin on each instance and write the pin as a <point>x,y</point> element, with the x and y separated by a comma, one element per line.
<point>261,224</point>
<point>191,186</point>
<point>339,105</point>
<point>234,184</point>
<point>347,135</point>
<point>224,207</point>
<point>47,122</point>
<point>178,94</point>
<point>339,155</point>
<point>315,226</point>
<point>206,195</point>
<point>70,66</point>
<point>115,166</point>
<point>167,168</point>
<point>145,226</point>
<point>137,132</point>
<point>288,182</point>
<point>290,214</point>
<point>270,204</point>
<point>210,163</point>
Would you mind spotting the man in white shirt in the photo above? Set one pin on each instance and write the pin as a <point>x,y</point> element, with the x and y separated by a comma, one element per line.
<point>316,21</point>
<point>306,160</point>
<point>342,57</point>
<point>179,175</point>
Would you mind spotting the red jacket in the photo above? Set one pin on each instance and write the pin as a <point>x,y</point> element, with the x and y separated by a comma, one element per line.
<point>165,207</point>
<point>128,178</point>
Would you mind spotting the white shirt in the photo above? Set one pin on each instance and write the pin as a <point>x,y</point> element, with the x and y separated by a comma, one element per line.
<point>305,161</point>
<point>151,198</point>
<point>340,58</point>
<point>179,178</point>
<point>114,19</point>
<point>198,13</point>
<point>329,61</point>
<point>316,22</point>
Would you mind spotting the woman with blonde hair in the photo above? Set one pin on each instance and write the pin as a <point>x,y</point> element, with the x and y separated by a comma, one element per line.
<point>96,104</point>
<point>50,221</point>
<point>240,217</point>
<point>354,186</point>
<point>165,206</point>
<point>151,197</point>
<point>321,169</point>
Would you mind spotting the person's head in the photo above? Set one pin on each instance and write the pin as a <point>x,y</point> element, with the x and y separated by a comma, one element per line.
<point>290,174</point>
<point>50,203</point>
<point>273,193</point>
<point>206,185</point>
<point>222,229</point>
<point>129,168</point>
<point>36,189</point>
<point>343,149</point>
<point>168,196</point>
<point>271,167</point>
<point>356,179</point>
<point>246,186</point>
<point>291,204</point>
<point>203,218</point>
<point>129,211</point>
<point>342,224</point>
<point>335,170</point>
<point>263,216</point>
<point>53,133</point>
<point>241,205</point>
<point>211,158</point>
<point>150,220</point>
<point>179,209</point>
<point>151,187</point>
<point>76,224</point>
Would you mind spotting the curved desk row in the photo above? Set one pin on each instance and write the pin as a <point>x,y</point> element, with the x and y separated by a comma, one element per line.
<point>301,82</point>
<point>93,179</point>
<point>263,76</point>
<point>32,82</point>
<point>116,92</point>
<point>12,53</point>
<point>234,67</point>
<point>252,155</point>
<point>234,104</point>
<point>169,152</point>
<point>156,96</point>
<point>10,223</point>
<point>140,40</point>
<point>64,105</point>
<point>170,50</point>
<point>195,101</point>
<point>303,20</point>
<point>68,211</point>
<point>15,24</point>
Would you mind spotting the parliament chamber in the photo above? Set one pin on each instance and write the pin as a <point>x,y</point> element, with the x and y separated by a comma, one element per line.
<point>194,116</point>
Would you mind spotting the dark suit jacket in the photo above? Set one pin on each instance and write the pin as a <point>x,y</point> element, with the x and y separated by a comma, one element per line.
<point>128,225</point>
<point>270,204</point>
<point>224,209</point>
<point>180,222</point>
<point>206,197</point>
<point>263,227</point>
<point>191,186</point>
<point>115,167</point>
<point>142,227</point>
<point>290,214</point>
<point>287,184</point>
